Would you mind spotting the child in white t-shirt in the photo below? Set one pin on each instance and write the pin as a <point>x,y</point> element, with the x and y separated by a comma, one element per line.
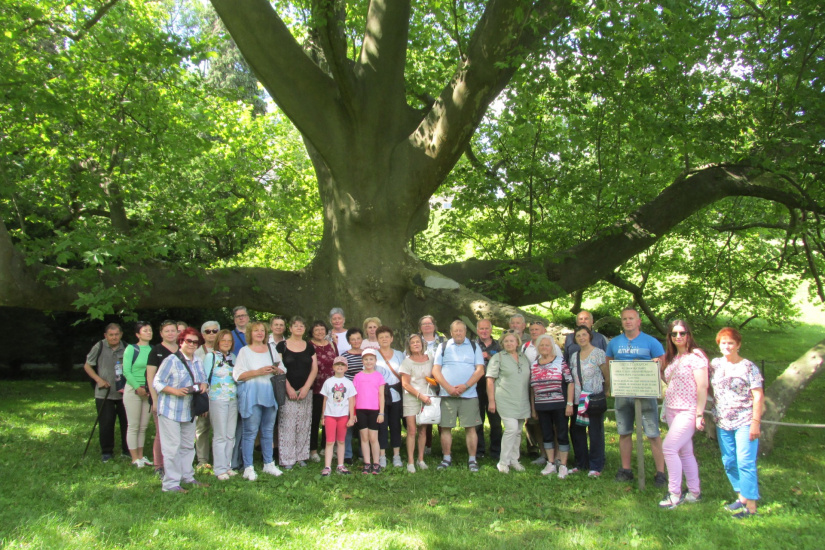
<point>338,413</point>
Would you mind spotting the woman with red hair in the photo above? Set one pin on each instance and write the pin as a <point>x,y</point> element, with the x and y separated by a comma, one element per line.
<point>179,376</point>
<point>738,406</point>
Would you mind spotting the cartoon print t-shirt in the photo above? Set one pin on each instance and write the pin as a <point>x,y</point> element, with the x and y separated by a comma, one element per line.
<point>337,391</point>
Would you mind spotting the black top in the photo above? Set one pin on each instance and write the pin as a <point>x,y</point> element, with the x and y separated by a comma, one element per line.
<point>298,364</point>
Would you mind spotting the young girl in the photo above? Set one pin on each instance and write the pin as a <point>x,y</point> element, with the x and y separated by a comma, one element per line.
<point>338,413</point>
<point>369,408</point>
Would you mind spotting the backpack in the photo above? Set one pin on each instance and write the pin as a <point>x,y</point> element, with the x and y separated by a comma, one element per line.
<point>444,345</point>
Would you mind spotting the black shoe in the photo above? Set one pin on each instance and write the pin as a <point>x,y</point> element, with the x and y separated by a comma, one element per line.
<point>660,479</point>
<point>480,455</point>
<point>160,472</point>
<point>626,475</point>
<point>106,457</point>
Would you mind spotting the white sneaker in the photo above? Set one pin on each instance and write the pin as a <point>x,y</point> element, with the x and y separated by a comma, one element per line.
<point>249,473</point>
<point>223,477</point>
<point>146,461</point>
<point>540,460</point>
<point>503,468</point>
<point>517,467</point>
<point>422,465</point>
<point>671,501</point>
<point>396,461</point>
<point>138,463</point>
<point>382,461</point>
<point>549,469</point>
<point>562,471</point>
<point>411,468</point>
<point>271,469</point>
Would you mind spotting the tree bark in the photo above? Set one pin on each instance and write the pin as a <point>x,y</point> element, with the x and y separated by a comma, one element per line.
<point>781,393</point>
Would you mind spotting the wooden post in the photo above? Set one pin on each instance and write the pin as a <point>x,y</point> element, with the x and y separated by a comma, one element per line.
<point>640,446</point>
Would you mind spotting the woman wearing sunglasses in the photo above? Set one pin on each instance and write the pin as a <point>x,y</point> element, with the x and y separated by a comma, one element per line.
<point>209,330</point>
<point>686,375</point>
<point>174,383</point>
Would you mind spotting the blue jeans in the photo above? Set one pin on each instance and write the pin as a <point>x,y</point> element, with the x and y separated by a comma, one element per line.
<point>262,418</point>
<point>739,458</point>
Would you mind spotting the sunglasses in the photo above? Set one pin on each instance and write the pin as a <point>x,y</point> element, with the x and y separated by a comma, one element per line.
<point>678,333</point>
<point>210,331</point>
<point>191,342</point>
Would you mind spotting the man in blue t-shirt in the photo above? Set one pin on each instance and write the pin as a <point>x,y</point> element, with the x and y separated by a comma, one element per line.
<point>458,366</point>
<point>635,345</point>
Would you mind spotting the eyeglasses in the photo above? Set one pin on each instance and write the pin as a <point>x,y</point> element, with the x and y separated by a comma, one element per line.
<point>191,342</point>
<point>678,333</point>
<point>210,331</point>
<point>241,315</point>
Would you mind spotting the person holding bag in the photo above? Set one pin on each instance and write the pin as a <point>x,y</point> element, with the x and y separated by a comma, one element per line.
<point>589,369</point>
<point>256,400</point>
<point>223,403</point>
<point>178,379</point>
<point>414,371</point>
<point>508,394</point>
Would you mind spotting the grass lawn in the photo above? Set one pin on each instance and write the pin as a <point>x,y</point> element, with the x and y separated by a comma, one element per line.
<point>48,499</point>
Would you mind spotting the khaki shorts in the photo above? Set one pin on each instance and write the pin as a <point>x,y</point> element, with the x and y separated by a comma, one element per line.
<point>465,410</point>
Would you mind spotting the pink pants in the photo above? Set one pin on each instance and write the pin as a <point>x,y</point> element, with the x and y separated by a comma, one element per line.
<point>678,451</point>
<point>336,428</point>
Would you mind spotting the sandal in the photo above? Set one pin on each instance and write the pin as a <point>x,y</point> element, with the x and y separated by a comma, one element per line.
<point>367,469</point>
<point>342,470</point>
<point>326,471</point>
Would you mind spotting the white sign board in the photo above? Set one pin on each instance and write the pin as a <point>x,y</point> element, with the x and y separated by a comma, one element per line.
<point>635,379</point>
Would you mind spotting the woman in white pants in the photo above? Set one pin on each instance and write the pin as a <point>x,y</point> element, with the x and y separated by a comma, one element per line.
<point>136,393</point>
<point>223,403</point>
<point>508,394</point>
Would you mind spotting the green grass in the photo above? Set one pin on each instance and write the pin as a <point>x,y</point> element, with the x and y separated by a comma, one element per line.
<point>49,499</point>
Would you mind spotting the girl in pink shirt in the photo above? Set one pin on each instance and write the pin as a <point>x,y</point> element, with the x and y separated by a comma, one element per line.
<point>369,409</point>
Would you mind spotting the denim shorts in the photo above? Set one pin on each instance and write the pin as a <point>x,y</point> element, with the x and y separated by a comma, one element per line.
<point>626,413</point>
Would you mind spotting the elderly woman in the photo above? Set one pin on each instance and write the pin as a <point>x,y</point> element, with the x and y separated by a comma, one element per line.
<point>738,407</point>
<point>549,403</point>
<point>177,376</point>
<point>136,394</point>
<point>338,334</point>
<point>428,330</point>
<point>223,402</point>
<point>209,330</point>
<point>388,364</point>
<point>294,421</point>
<point>371,324</point>
<point>508,394</point>
<point>590,375</point>
<point>414,372</point>
<point>256,404</point>
<point>686,374</point>
<point>325,354</point>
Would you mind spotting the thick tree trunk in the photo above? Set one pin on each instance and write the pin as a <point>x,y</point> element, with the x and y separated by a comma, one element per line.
<point>781,393</point>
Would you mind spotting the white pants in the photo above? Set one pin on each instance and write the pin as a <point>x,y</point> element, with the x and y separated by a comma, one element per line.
<point>137,414</point>
<point>510,441</point>
<point>177,440</point>
<point>224,416</point>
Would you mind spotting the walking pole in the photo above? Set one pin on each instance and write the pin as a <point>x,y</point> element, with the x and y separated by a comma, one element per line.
<point>99,410</point>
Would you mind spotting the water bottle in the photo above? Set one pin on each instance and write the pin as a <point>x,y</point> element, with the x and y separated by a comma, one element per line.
<point>120,383</point>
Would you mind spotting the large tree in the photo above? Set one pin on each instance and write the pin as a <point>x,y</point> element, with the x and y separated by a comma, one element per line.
<point>388,98</point>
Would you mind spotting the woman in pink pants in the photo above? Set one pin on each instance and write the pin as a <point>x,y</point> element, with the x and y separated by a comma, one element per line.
<point>686,375</point>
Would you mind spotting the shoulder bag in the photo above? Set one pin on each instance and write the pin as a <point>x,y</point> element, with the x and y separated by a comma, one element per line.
<point>278,380</point>
<point>200,400</point>
<point>598,401</point>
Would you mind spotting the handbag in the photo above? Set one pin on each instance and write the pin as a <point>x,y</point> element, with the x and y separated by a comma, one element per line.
<point>278,381</point>
<point>429,414</point>
<point>598,400</point>
<point>200,400</point>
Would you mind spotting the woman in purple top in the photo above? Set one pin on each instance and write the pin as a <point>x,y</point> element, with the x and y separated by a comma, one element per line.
<point>738,406</point>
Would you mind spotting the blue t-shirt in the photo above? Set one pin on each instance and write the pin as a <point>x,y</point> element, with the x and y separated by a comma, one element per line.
<point>458,365</point>
<point>239,340</point>
<point>642,348</point>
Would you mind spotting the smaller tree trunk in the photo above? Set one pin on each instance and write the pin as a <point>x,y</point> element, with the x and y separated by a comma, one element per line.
<point>783,391</point>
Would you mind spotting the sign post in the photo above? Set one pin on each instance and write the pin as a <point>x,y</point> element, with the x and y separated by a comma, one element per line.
<point>638,380</point>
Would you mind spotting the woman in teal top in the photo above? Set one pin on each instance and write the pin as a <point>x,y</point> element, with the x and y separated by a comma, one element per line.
<point>223,402</point>
<point>135,394</point>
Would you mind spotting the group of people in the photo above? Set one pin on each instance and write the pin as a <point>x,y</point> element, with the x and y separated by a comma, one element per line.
<point>353,382</point>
